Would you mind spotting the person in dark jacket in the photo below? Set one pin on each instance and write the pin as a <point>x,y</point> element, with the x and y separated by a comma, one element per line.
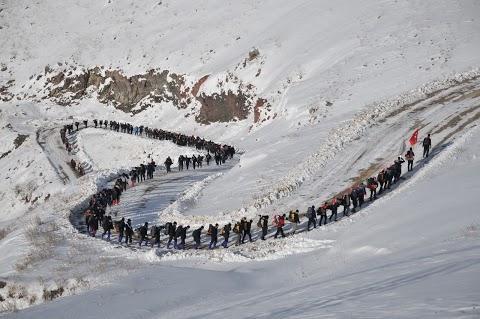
<point>93,223</point>
<point>381,181</point>
<point>107,227</point>
<point>346,204</point>
<point>196,234</point>
<point>213,236</point>
<point>247,231</point>
<point>264,222</point>
<point>322,211</point>
<point>312,219</point>
<point>354,198</point>
<point>121,229</point>
<point>168,164</point>
<point>427,144</point>
<point>333,207</point>
<point>183,237</point>
<point>176,236</point>
<point>226,234</point>
<point>155,235</point>
<point>143,234</point>
<point>171,230</point>
<point>239,229</point>
<point>410,156</point>
<point>128,232</point>
<point>372,185</point>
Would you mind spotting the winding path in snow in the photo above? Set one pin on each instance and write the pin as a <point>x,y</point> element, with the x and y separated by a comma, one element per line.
<point>145,201</point>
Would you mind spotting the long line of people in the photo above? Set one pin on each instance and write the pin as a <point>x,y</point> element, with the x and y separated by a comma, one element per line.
<point>95,214</point>
<point>351,200</point>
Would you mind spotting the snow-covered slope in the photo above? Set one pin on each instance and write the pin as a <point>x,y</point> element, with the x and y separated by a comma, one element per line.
<point>344,85</point>
<point>414,253</point>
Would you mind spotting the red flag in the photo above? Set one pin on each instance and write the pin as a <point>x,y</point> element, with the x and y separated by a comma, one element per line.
<point>414,137</point>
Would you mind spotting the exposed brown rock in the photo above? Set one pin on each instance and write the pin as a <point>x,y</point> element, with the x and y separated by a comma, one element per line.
<point>138,92</point>
<point>253,54</point>
<point>256,110</point>
<point>223,107</point>
<point>198,84</point>
<point>124,92</point>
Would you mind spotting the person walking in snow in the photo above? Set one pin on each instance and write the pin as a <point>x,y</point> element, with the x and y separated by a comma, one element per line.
<point>238,229</point>
<point>180,162</point>
<point>361,191</point>
<point>312,219</point>
<point>322,211</point>
<point>226,234</point>
<point>143,234</point>
<point>155,235</point>
<point>264,225</point>
<point>381,180</point>
<point>171,229</point>
<point>294,218</point>
<point>121,229</point>
<point>213,236</point>
<point>194,161</point>
<point>128,232</point>
<point>398,168</point>
<point>427,144</point>
<point>279,222</point>
<point>93,222</point>
<point>247,231</point>
<point>133,177</point>
<point>168,164</point>
<point>333,207</point>
<point>107,227</point>
<point>196,234</point>
<point>183,237</point>
<point>346,204</point>
<point>372,185</point>
<point>410,156</point>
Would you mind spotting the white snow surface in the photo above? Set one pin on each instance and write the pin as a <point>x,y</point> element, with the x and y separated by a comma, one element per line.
<point>347,81</point>
<point>413,253</point>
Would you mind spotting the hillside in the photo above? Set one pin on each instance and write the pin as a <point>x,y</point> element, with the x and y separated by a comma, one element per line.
<point>315,96</point>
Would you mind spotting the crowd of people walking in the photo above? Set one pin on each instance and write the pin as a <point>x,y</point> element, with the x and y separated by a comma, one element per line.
<point>95,214</point>
<point>350,200</point>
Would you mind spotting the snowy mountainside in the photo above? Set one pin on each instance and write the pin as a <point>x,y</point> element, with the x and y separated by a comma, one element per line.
<point>316,95</point>
<point>414,253</point>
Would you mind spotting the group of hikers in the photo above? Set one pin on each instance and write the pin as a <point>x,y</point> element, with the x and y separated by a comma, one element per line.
<point>350,200</point>
<point>95,214</point>
<point>221,152</point>
<point>154,133</point>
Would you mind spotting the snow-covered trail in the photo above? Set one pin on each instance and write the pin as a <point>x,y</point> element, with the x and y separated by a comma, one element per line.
<point>330,159</point>
<point>55,152</point>
<point>146,200</point>
<point>414,253</point>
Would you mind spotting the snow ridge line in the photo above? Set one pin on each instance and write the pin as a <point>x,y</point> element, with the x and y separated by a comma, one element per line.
<point>188,198</point>
<point>347,132</point>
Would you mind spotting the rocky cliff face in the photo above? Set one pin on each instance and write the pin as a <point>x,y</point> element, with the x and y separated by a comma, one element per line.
<point>138,92</point>
<point>111,86</point>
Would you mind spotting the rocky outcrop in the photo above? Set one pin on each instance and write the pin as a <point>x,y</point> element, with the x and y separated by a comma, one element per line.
<point>223,107</point>
<point>5,95</point>
<point>138,92</point>
<point>113,87</point>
